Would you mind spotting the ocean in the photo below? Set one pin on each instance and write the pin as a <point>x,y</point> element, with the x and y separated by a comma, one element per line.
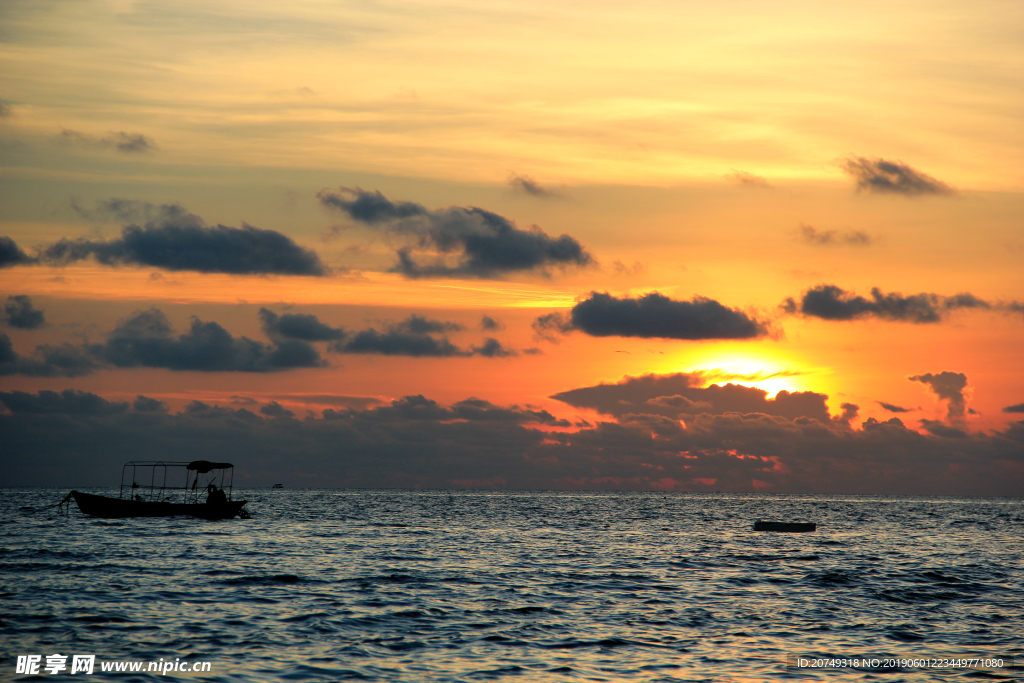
<point>394,585</point>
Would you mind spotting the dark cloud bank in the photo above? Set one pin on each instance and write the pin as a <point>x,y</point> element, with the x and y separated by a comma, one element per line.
<point>652,315</point>
<point>468,241</point>
<point>892,177</point>
<point>76,439</point>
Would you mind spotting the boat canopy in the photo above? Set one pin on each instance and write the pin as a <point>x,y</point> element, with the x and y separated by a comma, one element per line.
<point>200,475</point>
<point>204,466</point>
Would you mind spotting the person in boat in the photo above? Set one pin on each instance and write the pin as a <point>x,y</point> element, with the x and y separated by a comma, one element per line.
<point>215,496</point>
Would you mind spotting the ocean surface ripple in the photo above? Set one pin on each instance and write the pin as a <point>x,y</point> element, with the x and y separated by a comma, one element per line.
<point>538,586</point>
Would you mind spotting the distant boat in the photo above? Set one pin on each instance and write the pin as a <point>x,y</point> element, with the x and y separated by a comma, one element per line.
<point>158,500</point>
<point>278,486</point>
<point>785,527</point>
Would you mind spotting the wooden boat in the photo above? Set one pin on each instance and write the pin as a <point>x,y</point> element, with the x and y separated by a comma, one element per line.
<point>785,527</point>
<point>199,497</point>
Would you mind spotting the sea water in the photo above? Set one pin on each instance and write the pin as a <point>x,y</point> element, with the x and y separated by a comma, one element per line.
<point>533,586</point>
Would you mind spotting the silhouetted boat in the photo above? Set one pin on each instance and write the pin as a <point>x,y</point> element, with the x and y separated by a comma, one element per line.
<point>785,527</point>
<point>278,486</point>
<point>158,500</point>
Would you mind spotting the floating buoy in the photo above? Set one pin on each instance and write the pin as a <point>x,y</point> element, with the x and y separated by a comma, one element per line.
<point>785,527</point>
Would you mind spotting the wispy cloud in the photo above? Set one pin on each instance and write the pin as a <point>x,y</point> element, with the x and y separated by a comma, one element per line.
<point>893,408</point>
<point>893,177</point>
<point>748,180</point>
<point>129,143</point>
<point>526,184</point>
<point>812,235</point>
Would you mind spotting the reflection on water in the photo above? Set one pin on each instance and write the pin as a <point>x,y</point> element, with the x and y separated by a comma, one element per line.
<point>438,585</point>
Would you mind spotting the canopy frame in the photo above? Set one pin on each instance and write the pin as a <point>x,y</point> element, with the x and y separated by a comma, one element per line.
<point>199,475</point>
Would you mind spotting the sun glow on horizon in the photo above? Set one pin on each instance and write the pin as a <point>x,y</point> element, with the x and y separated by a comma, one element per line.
<point>748,370</point>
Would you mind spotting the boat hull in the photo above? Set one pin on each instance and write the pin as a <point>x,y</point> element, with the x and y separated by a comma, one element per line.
<point>118,508</point>
<point>785,527</point>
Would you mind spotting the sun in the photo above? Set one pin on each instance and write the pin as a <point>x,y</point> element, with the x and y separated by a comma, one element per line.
<point>751,370</point>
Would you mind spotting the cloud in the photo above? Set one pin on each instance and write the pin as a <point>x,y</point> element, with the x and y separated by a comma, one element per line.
<point>942,429</point>
<point>127,210</point>
<point>850,411</point>
<point>680,396</point>
<point>397,343</point>
<point>419,408</point>
<point>748,179</point>
<point>417,442</point>
<point>275,409</point>
<point>467,241</point>
<point>19,312</point>
<point>144,404</point>
<point>621,268</point>
<point>129,143</point>
<point>49,361</point>
<point>413,337</point>
<point>178,240</point>
<point>489,324</point>
<point>492,348</point>
<point>357,402</point>
<point>530,186</point>
<point>892,408</point>
<point>948,386</point>
<point>415,324</point>
<point>11,254</point>
<point>895,177</point>
<point>549,326</point>
<point>652,315</point>
<point>146,339</point>
<point>810,235</point>
<point>67,402</point>
<point>1018,408</point>
<point>830,302</point>
<point>301,326</point>
<point>409,337</point>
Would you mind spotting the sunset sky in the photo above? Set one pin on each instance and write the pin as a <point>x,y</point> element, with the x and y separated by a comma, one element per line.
<point>734,246</point>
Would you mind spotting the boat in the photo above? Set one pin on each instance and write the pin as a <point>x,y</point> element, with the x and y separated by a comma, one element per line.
<point>206,492</point>
<point>278,486</point>
<point>785,527</point>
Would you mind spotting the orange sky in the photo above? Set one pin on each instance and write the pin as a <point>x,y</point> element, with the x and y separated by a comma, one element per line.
<point>742,152</point>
